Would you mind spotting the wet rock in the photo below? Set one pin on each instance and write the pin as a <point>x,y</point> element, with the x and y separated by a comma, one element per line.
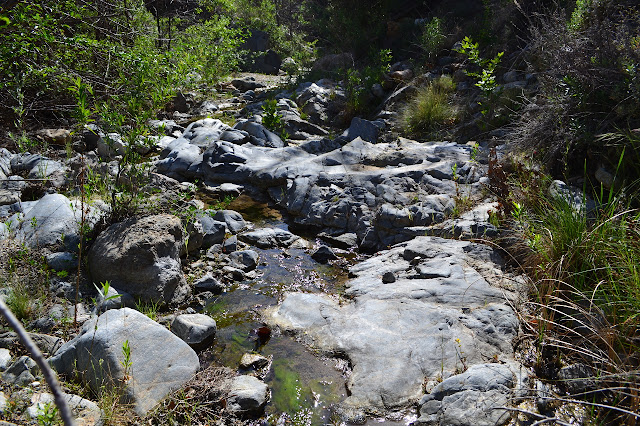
<point>247,395</point>
<point>253,361</point>
<point>266,238</point>
<point>245,260</point>
<point>323,254</point>
<point>160,361</point>
<point>208,283</point>
<point>196,329</point>
<point>142,258</point>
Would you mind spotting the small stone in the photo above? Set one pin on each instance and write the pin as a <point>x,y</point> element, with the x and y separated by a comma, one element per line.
<point>255,361</point>
<point>230,244</point>
<point>247,395</point>
<point>3,403</point>
<point>209,283</point>
<point>62,261</point>
<point>324,254</point>
<point>5,359</point>
<point>21,372</point>
<point>388,277</point>
<point>246,260</point>
<point>195,329</point>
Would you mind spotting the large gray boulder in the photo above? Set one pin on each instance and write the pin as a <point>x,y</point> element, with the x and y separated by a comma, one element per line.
<point>141,256</point>
<point>160,361</point>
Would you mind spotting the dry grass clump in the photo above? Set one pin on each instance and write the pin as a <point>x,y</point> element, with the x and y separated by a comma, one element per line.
<point>201,401</point>
<point>431,110</point>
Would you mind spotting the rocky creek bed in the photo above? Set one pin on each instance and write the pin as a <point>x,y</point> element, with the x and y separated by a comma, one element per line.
<point>340,296</point>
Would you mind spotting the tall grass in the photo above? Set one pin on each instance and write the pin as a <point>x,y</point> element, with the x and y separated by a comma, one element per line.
<point>431,109</point>
<point>587,295</point>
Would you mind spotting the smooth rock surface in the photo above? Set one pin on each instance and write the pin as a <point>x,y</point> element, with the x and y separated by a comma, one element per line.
<point>195,329</point>
<point>247,395</point>
<point>398,335</point>
<point>266,238</point>
<point>160,361</point>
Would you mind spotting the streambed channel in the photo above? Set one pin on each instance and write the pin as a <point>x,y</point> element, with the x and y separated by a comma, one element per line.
<point>305,386</point>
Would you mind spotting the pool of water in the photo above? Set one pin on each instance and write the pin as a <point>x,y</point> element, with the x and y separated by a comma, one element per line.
<point>304,385</point>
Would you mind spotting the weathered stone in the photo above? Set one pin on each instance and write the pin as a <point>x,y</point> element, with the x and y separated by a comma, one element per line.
<point>50,219</point>
<point>234,221</point>
<point>160,361</point>
<point>266,238</point>
<point>247,395</point>
<point>208,283</point>
<point>5,358</point>
<point>62,261</point>
<point>423,326</point>
<point>245,260</point>
<point>84,412</point>
<point>21,372</point>
<point>142,258</point>
<point>253,361</point>
<point>195,329</point>
<point>323,254</point>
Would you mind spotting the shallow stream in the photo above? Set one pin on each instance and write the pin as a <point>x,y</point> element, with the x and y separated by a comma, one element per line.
<point>304,386</point>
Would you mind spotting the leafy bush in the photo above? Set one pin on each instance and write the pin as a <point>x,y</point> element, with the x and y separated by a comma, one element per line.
<point>50,46</point>
<point>358,82</point>
<point>433,37</point>
<point>431,109</point>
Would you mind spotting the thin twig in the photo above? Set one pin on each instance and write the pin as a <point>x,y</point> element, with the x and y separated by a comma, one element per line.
<point>38,357</point>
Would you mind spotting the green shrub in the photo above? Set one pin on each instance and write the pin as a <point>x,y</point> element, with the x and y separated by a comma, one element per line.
<point>431,109</point>
<point>433,37</point>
